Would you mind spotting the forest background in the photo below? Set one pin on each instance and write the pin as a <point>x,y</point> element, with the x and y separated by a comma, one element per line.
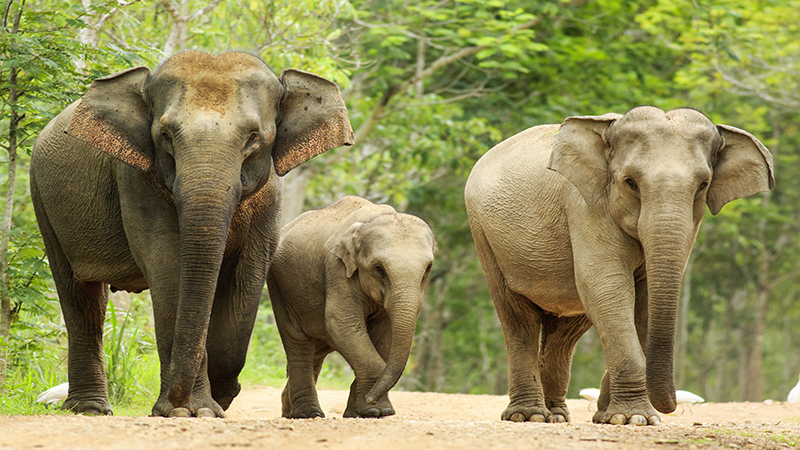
<point>430,86</point>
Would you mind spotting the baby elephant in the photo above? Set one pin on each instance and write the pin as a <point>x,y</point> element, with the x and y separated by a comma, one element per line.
<point>349,278</point>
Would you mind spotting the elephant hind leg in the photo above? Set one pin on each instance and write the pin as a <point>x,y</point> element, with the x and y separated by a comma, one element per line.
<point>559,337</point>
<point>322,350</point>
<point>520,319</point>
<point>83,305</point>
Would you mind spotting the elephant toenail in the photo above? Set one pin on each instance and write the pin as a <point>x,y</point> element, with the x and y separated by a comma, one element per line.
<point>517,417</point>
<point>655,420</point>
<point>637,420</point>
<point>180,412</point>
<point>205,412</point>
<point>618,419</point>
<point>372,412</point>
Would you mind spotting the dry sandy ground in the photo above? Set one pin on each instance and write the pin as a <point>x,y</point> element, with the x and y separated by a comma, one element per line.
<point>423,421</point>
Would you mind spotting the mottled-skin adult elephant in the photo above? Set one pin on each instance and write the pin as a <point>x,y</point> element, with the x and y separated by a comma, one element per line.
<point>169,180</point>
<point>349,278</point>
<point>601,239</point>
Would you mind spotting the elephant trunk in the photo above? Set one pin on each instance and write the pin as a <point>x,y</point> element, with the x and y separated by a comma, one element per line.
<point>666,229</point>
<point>206,195</point>
<point>403,308</point>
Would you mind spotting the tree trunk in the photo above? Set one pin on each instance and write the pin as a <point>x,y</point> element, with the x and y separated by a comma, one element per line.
<point>5,298</point>
<point>753,388</point>
<point>174,35</point>
<point>180,23</point>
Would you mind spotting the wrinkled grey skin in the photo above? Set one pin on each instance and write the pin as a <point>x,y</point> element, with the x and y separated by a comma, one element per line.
<point>169,181</point>
<point>349,278</point>
<point>601,239</point>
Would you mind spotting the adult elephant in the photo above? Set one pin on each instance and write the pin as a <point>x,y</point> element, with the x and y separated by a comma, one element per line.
<point>168,180</point>
<point>603,240</point>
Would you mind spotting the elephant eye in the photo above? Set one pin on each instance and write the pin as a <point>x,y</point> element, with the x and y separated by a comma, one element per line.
<point>253,136</point>
<point>427,272</point>
<point>703,185</point>
<point>631,184</point>
<point>380,271</point>
<point>166,136</point>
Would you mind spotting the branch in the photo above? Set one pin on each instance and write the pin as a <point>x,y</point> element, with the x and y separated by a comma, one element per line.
<point>446,60</point>
<point>755,90</point>
<point>171,8</point>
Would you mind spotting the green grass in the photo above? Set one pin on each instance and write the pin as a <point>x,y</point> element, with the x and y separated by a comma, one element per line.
<point>266,360</point>
<point>132,365</point>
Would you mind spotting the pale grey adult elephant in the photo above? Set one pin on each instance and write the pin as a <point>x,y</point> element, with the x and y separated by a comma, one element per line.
<point>601,239</point>
<point>168,180</point>
<point>349,278</point>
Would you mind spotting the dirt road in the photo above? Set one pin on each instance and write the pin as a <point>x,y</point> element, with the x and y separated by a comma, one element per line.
<point>423,421</point>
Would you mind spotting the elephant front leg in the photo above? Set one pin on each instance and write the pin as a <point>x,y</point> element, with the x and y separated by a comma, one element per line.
<point>559,336</point>
<point>233,316</point>
<point>201,404</point>
<point>611,307</point>
<point>379,330</point>
<point>347,331</point>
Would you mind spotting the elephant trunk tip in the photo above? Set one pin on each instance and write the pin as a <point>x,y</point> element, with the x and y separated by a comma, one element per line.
<point>387,380</point>
<point>664,400</point>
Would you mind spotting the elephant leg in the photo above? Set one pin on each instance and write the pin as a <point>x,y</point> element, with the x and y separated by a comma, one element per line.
<point>231,325</point>
<point>299,397</point>
<point>83,305</point>
<point>609,300</point>
<point>379,330</point>
<point>201,403</point>
<point>520,320</point>
<point>320,353</point>
<point>347,332</point>
<point>640,317</point>
<point>301,400</point>
<point>559,337</point>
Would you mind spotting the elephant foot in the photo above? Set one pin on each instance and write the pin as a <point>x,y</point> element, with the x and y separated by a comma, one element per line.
<point>522,413</point>
<point>359,408</point>
<point>203,407</point>
<point>371,412</point>
<point>559,411</point>
<point>307,411</point>
<point>627,416</point>
<point>94,408</point>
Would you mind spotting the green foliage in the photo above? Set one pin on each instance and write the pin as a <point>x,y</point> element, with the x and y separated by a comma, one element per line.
<point>126,348</point>
<point>266,360</point>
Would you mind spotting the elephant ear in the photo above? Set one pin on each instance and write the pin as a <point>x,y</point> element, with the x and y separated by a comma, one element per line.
<point>347,248</point>
<point>743,167</point>
<point>313,120</point>
<point>580,154</point>
<point>113,116</point>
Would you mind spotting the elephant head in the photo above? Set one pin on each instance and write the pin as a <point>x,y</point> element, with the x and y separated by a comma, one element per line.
<point>654,172</point>
<point>211,130</point>
<point>392,256</point>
